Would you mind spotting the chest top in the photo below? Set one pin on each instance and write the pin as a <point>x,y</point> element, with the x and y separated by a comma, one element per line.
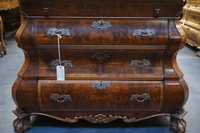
<point>103,8</point>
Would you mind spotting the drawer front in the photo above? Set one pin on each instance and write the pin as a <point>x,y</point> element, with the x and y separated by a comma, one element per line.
<point>192,34</point>
<point>76,95</point>
<point>102,31</point>
<point>103,64</point>
<point>109,8</point>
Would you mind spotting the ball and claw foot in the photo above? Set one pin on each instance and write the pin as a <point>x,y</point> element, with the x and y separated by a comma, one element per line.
<point>177,123</point>
<point>22,123</point>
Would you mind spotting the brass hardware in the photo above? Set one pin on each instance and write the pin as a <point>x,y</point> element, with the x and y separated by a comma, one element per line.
<point>101,85</point>
<point>60,98</point>
<point>55,31</point>
<point>63,63</point>
<point>46,11</point>
<point>143,33</point>
<point>140,98</point>
<point>101,24</point>
<point>139,63</point>
<point>100,55</point>
<point>156,12</point>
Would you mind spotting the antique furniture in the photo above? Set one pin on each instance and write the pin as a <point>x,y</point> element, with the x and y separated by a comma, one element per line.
<point>100,61</point>
<point>4,6</point>
<point>191,23</point>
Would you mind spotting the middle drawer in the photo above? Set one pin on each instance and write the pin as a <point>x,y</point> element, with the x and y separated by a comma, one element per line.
<point>129,64</point>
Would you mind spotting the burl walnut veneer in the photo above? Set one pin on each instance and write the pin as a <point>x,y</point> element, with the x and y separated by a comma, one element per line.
<point>119,58</point>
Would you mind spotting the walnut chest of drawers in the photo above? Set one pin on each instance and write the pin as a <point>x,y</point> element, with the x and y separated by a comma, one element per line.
<point>191,23</point>
<point>119,60</point>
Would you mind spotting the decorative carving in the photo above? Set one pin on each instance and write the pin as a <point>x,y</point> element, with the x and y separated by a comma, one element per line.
<point>177,123</point>
<point>125,119</point>
<point>138,63</point>
<point>140,98</point>
<point>22,123</point>
<point>101,24</point>
<point>100,55</point>
<point>143,33</point>
<point>100,85</point>
<point>60,98</point>
<point>55,31</point>
<point>63,63</point>
<point>100,118</point>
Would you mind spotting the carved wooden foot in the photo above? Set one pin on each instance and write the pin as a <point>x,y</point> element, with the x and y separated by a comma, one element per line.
<point>177,123</point>
<point>22,123</point>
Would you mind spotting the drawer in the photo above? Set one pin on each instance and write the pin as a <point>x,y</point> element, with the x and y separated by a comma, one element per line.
<point>94,95</point>
<point>192,34</point>
<point>104,31</point>
<point>145,64</point>
<point>108,8</point>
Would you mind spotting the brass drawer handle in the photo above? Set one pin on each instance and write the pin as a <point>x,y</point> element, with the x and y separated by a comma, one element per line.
<point>100,85</point>
<point>101,24</point>
<point>61,98</point>
<point>140,98</point>
<point>138,63</point>
<point>55,31</point>
<point>144,33</point>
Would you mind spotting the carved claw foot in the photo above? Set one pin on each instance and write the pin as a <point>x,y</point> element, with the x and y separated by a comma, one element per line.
<point>22,123</point>
<point>177,123</point>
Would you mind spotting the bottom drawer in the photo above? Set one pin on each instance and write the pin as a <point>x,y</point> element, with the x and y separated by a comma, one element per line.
<point>89,95</point>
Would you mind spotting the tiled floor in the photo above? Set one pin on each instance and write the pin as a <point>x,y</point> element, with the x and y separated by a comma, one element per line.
<point>11,63</point>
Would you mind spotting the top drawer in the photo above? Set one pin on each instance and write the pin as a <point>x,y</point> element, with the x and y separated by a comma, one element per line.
<point>93,31</point>
<point>106,8</point>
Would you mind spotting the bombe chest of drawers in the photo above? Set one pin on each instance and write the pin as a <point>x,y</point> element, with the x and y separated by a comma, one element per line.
<point>100,61</point>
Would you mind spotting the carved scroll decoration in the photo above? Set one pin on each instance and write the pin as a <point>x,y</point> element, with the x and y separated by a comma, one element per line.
<point>143,33</point>
<point>101,85</point>
<point>63,63</point>
<point>100,118</point>
<point>140,98</point>
<point>138,63</point>
<point>61,98</point>
<point>55,31</point>
<point>100,55</point>
<point>101,24</point>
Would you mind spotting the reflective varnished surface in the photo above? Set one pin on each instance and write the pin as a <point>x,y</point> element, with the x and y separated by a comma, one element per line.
<point>124,67</point>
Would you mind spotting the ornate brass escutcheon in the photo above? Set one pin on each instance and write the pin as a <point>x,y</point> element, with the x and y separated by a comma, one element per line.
<point>101,24</point>
<point>61,98</point>
<point>140,98</point>
<point>138,63</point>
<point>100,55</point>
<point>63,63</point>
<point>55,31</point>
<point>147,32</point>
<point>100,85</point>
